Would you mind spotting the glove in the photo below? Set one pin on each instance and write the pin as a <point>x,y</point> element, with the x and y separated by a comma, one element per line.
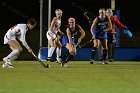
<point>127,32</point>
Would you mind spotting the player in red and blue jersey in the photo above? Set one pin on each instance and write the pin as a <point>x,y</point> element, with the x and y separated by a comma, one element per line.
<point>111,34</point>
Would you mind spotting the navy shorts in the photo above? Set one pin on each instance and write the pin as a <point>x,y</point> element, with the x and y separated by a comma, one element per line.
<point>65,40</point>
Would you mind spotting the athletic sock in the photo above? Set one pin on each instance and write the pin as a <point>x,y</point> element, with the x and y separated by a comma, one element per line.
<point>93,53</point>
<point>104,54</point>
<point>51,50</point>
<point>13,58</point>
<point>58,53</point>
<point>110,46</point>
<point>13,53</point>
<point>64,55</point>
<point>69,57</point>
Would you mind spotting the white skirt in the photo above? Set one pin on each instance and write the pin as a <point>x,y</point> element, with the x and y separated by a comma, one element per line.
<point>8,38</point>
<point>50,35</point>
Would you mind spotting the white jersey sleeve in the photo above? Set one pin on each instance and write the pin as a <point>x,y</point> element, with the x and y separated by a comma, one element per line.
<point>22,37</point>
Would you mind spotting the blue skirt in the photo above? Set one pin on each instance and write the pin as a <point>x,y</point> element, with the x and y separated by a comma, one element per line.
<point>65,40</point>
<point>100,35</point>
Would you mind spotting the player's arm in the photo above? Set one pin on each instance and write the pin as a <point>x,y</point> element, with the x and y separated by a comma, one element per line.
<point>23,40</point>
<point>69,36</point>
<point>93,26</point>
<point>60,32</point>
<point>118,24</point>
<point>109,26</point>
<point>82,33</point>
<point>53,24</point>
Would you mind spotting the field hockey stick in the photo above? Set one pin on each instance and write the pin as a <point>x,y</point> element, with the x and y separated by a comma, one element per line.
<point>12,9</point>
<point>80,46</point>
<point>45,66</point>
<point>77,44</point>
<point>19,13</point>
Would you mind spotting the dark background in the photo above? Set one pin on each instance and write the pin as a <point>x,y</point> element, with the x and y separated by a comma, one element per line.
<point>18,11</point>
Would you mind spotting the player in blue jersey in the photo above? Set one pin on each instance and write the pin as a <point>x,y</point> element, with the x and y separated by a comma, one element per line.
<point>68,39</point>
<point>99,28</point>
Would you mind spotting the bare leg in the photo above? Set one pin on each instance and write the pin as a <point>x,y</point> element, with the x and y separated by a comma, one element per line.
<point>51,50</point>
<point>58,51</point>
<point>16,49</point>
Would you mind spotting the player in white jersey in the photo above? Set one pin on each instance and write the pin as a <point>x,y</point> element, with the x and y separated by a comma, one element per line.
<point>53,36</point>
<point>18,31</point>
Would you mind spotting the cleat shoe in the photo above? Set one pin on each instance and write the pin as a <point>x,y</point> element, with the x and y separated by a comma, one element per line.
<point>48,66</point>
<point>6,60</point>
<point>111,60</point>
<point>5,65</point>
<point>59,60</point>
<point>66,65</point>
<point>91,62</point>
<point>101,59</point>
<point>104,62</point>
<point>62,63</point>
<point>56,61</point>
<point>49,59</point>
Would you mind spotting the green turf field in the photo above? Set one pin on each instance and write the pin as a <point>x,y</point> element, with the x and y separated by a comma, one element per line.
<point>80,77</point>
